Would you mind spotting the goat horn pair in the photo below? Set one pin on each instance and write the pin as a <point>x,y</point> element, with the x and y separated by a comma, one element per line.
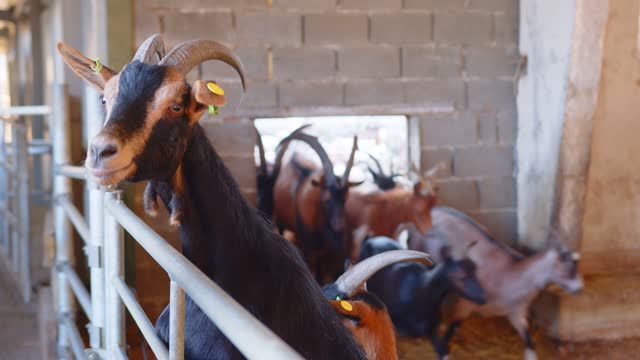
<point>313,142</point>
<point>375,161</point>
<point>150,47</point>
<point>351,280</point>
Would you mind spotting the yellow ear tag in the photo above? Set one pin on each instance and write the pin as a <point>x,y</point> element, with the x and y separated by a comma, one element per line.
<point>346,305</point>
<point>98,65</point>
<point>214,88</point>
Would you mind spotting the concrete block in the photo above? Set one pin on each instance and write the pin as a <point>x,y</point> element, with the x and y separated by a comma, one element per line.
<point>179,27</point>
<point>459,194</point>
<point>497,192</point>
<point>374,93</point>
<point>489,95</point>
<point>401,28</point>
<point>260,28</point>
<point>503,6</point>
<point>490,62</point>
<point>448,129</point>
<point>369,62</point>
<point>502,224</point>
<point>303,63</point>
<point>484,161</point>
<point>441,62</point>
<point>445,93</point>
<point>305,4</point>
<point>335,28</point>
<point>435,4</point>
<point>432,157</point>
<point>487,128</point>
<point>371,4</point>
<point>462,28</point>
<point>306,94</point>
<point>507,127</point>
<point>505,29</point>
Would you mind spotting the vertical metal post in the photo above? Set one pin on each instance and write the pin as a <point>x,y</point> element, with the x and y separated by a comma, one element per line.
<point>113,267</point>
<point>61,154</point>
<point>15,208</point>
<point>95,252</point>
<point>22,214</point>
<point>5,189</point>
<point>176,322</point>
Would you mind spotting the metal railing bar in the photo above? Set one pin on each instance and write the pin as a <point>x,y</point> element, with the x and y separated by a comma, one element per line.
<point>252,338</point>
<point>24,110</point>
<point>77,346</point>
<point>121,354</point>
<point>11,218</point>
<point>74,172</point>
<point>176,321</point>
<point>8,167</point>
<point>78,289</point>
<point>76,218</point>
<point>139,316</point>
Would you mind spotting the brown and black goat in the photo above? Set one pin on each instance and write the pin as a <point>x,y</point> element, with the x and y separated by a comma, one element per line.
<point>310,200</point>
<point>379,213</point>
<point>510,280</point>
<point>266,174</point>
<point>151,133</point>
<point>363,313</point>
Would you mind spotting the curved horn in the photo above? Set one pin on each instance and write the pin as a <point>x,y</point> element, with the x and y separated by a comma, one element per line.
<point>281,149</point>
<point>347,169</point>
<point>351,280</point>
<point>434,170</point>
<point>380,171</point>
<point>187,55</point>
<point>263,160</point>
<point>150,47</point>
<point>313,142</point>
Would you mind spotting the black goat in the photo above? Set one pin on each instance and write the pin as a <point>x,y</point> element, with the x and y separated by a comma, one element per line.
<point>413,293</point>
<point>151,133</point>
<point>382,180</point>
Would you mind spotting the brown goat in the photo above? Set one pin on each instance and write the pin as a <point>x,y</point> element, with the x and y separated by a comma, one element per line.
<point>510,280</point>
<point>309,200</point>
<point>379,213</point>
<point>363,313</point>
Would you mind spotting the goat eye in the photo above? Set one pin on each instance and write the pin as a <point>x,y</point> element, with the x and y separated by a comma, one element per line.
<point>103,100</point>
<point>176,108</point>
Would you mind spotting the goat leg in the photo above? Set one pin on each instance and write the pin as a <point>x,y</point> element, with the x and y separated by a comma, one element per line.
<point>151,199</point>
<point>519,322</point>
<point>448,335</point>
<point>176,207</point>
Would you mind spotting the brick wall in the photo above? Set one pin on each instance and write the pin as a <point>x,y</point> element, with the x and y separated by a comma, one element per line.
<point>447,64</point>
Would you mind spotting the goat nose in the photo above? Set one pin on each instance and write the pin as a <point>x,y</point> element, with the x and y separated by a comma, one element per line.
<point>103,150</point>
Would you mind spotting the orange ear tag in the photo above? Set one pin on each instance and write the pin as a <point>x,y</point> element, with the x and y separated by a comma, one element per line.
<point>346,305</point>
<point>214,88</point>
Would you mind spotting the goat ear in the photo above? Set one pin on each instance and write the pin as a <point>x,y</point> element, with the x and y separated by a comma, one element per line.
<point>91,71</point>
<point>207,94</point>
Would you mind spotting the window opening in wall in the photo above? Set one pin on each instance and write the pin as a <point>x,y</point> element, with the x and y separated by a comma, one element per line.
<point>384,137</point>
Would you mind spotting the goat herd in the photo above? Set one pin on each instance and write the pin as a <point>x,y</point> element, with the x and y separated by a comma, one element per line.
<point>151,133</point>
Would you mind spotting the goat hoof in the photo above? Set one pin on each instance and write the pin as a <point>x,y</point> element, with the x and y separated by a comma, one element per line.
<point>530,354</point>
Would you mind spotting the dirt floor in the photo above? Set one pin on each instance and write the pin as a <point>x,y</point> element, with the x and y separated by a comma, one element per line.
<point>494,339</point>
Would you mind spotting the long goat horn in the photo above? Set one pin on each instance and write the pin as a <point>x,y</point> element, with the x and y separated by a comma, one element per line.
<point>281,149</point>
<point>312,141</point>
<point>263,159</point>
<point>187,55</point>
<point>150,47</point>
<point>375,161</point>
<point>351,280</point>
<point>347,169</point>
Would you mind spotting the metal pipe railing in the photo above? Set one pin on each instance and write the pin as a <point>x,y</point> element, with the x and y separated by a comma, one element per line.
<point>78,288</point>
<point>141,319</point>
<point>176,321</point>
<point>76,218</point>
<point>73,336</point>
<point>252,338</point>
<point>74,172</point>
